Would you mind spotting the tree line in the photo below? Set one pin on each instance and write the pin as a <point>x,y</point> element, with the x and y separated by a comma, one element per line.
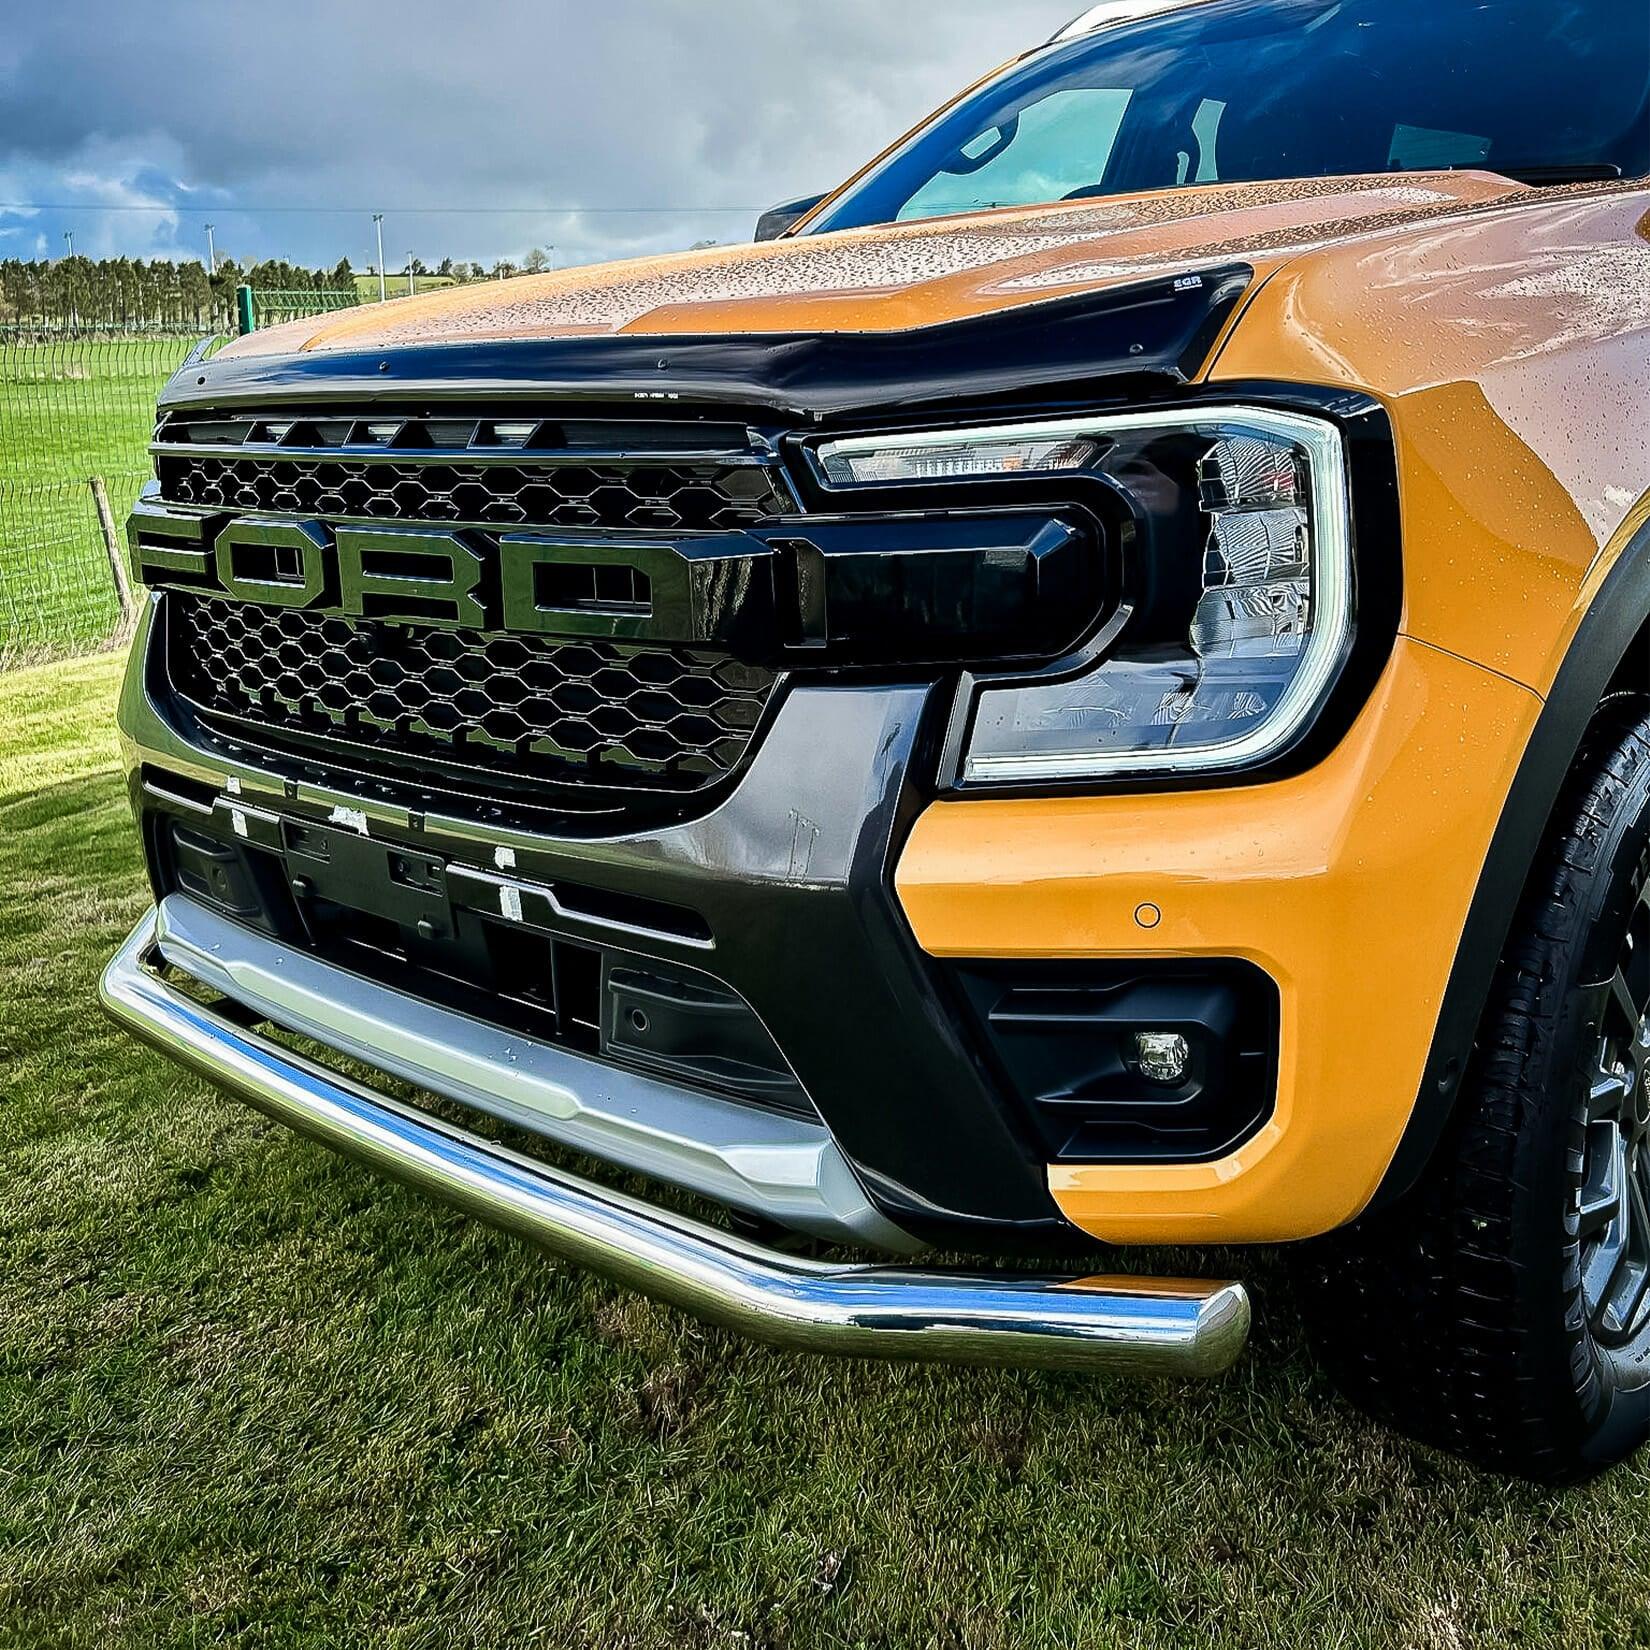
<point>143,296</point>
<point>135,295</point>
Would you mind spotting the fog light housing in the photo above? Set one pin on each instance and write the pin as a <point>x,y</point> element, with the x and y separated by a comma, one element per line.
<point>1162,1057</point>
<point>1170,1060</point>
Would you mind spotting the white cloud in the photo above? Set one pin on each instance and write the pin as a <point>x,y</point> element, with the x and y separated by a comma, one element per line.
<point>121,190</point>
<point>527,105</point>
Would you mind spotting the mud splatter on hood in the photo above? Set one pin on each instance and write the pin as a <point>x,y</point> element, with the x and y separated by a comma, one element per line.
<point>905,275</point>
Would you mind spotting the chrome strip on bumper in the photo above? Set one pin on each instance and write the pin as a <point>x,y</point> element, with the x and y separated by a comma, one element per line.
<point>1143,1326</point>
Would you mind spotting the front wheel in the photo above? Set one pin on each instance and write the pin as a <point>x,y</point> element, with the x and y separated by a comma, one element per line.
<point>1501,1310</point>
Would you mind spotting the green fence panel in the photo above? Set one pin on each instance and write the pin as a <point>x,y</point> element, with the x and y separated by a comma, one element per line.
<point>269,308</point>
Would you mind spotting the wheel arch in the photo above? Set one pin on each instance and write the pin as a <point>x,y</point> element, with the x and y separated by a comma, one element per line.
<point>1609,653</point>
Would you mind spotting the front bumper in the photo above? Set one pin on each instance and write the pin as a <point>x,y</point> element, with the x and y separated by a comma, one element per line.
<point>830,887</point>
<point>1139,1326</point>
<point>789,882</point>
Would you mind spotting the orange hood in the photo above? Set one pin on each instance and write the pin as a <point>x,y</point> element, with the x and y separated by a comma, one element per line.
<point>904,275</point>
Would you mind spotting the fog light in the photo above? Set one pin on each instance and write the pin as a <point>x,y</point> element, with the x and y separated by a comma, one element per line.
<point>1163,1056</point>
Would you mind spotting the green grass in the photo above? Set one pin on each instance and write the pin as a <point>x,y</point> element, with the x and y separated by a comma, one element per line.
<point>395,286</point>
<point>251,1395</point>
<point>69,409</point>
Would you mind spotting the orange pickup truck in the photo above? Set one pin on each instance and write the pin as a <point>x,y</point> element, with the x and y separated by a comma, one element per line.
<point>1090,689</point>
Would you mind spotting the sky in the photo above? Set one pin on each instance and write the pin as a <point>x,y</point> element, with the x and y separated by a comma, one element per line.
<point>480,128</point>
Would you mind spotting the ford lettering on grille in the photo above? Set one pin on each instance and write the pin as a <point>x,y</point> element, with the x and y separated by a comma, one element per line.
<point>707,588</point>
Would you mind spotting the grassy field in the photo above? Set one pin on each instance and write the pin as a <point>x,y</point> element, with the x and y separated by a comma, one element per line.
<point>69,409</point>
<point>395,285</point>
<point>251,1395</point>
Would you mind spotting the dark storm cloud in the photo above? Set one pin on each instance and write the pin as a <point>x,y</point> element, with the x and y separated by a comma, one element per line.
<point>185,108</point>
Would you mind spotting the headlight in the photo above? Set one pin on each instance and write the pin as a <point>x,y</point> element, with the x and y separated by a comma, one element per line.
<point>1237,579</point>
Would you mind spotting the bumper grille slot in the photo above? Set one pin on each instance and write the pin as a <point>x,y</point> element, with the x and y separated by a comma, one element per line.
<point>621,716</point>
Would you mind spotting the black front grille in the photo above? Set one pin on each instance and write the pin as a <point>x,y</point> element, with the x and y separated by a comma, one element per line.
<point>631,717</point>
<point>683,496</point>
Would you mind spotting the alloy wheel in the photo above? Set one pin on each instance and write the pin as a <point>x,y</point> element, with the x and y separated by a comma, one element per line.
<point>1614,1193</point>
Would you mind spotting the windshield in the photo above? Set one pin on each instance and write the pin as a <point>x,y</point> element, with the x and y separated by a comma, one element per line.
<point>1217,91</point>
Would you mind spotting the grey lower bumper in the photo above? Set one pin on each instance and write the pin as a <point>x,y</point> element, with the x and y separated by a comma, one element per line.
<point>786,1169</point>
<point>1144,1326</point>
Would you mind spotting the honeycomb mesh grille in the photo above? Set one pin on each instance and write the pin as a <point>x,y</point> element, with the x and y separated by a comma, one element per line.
<point>627,716</point>
<point>686,495</point>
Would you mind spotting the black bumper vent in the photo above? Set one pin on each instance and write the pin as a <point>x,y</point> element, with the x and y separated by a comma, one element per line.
<point>608,714</point>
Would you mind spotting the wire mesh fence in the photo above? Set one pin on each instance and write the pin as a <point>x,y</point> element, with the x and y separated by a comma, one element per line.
<point>77,408</point>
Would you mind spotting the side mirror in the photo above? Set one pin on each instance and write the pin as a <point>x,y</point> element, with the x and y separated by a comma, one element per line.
<point>777,219</point>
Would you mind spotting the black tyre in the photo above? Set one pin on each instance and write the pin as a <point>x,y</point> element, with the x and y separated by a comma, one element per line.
<point>1502,1309</point>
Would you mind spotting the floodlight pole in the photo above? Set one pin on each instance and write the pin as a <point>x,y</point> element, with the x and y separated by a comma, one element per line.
<point>211,253</point>
<point>378,226</point>
<point>74,309</point>
<point>411,284</point>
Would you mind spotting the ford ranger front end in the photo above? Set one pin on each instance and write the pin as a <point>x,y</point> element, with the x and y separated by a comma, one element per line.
<point>976,724</point>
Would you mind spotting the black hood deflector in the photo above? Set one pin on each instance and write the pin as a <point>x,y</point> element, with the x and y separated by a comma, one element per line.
<point>1146,337</point>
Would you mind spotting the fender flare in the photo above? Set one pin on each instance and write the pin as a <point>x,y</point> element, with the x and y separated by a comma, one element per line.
<point>1617,618</point>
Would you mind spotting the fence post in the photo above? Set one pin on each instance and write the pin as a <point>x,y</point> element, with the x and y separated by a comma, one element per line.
<point>244,317</point>
<point>112,547</point>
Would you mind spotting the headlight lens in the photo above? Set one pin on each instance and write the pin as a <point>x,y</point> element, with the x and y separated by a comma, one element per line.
<point>1238,574</point>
